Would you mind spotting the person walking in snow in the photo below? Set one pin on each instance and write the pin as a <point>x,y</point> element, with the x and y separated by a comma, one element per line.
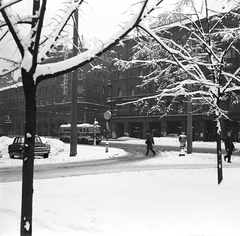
<point>149,141</point>
<point>229,147</point>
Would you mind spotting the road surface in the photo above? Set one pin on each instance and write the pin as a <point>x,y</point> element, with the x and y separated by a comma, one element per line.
<point>131,162</point>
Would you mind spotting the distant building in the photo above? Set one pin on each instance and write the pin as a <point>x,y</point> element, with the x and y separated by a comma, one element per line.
<point>54,99</point>
<point>105,88</point>
<point>129,119</point>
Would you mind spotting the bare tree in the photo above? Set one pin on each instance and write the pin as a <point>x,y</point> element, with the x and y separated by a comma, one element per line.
<point>34,49</point>
<point>190,56</point>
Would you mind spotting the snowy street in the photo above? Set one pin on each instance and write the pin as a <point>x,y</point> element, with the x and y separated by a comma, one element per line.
<point>85,70</point>
<point>171,201</point>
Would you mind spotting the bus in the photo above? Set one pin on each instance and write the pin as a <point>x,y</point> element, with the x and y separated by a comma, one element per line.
<point>85,133</point>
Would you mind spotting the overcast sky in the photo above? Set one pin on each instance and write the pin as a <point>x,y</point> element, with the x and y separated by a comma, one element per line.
<point>100,18</point>
<point>93,19</point>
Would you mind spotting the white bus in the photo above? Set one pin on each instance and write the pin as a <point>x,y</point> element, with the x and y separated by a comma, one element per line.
<point>85,133</point>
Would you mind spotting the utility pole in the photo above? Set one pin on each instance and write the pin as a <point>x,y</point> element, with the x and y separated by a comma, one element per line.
<point>73,137</point>
<point>189,121</point>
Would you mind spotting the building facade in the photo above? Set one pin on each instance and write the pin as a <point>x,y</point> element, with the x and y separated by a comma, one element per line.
<point>54,99</point>
<point>107,88</point>
<point>133,121</point>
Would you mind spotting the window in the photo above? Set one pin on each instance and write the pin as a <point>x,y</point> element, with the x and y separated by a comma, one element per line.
<point>133,109</point>
<point>103,78</point>
<point>79,88</point>
<point>132,91</point>
<point>120,56</point>
<point>131,72</point>
<point>80,99</point>
<point>48,101</point>
<point>120,111</point>
<point>80,74</point>
<point>230,53</point>
<point>120,92</point>
<point>119,75</point>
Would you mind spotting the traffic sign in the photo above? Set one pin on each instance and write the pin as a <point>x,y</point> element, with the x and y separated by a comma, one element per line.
<point>107,115</point>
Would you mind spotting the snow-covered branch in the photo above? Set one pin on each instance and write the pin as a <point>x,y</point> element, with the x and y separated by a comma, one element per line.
<point>202,56</point>
<point>176,54</point>
<point>10,3</point>
<point>36,34</point>
<point>10,20</point>
<point>44,71</point>
<point>52,37</point>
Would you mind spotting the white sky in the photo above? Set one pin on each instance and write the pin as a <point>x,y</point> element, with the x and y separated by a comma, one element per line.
<point>93,20</point>
<point>156,202</point>
<point>99,18</point>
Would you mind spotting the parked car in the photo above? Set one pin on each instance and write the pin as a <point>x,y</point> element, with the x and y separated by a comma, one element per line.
<point>172,136</point>
<point>16,148</point>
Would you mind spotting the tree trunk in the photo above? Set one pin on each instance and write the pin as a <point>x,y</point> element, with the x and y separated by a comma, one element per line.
<point>28,155</point>
<point>219,148</point>
<point>219,158</point>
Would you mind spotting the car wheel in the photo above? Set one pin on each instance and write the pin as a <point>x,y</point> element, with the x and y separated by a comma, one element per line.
<point>66,140</point>
<point>45,155</point>
<point>11,155</point>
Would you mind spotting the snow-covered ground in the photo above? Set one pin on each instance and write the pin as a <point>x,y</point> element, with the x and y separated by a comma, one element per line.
<point>156,202</point>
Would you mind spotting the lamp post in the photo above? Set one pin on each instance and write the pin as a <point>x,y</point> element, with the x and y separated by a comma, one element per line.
<point>107,117</point>
<point>73,137</point>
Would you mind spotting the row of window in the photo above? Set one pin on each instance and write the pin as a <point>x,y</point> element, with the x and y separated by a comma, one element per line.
<point>46,90</point>
<point>14,94</point>
<point>134,90</point>
<point>50,114</point>
<point>50,101</point>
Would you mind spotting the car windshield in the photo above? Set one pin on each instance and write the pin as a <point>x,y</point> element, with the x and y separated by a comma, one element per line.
<point>172,135</point>
<point>18,140</point>
<point>38,140</point>
<point>21,140</point>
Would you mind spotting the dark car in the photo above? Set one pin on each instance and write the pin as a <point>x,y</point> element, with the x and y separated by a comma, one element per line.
<point>40,149</point>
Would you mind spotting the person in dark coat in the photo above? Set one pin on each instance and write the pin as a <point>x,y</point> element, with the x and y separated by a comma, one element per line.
<point>149,142</point>
<point>229,147</point>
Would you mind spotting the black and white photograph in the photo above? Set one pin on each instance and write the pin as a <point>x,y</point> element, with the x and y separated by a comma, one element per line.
<point>119,118</point>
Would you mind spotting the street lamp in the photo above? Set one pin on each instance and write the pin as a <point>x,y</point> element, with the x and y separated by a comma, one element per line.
<point>107,117</point>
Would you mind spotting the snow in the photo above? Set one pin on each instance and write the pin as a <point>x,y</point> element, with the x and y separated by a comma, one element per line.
<point>169,201</point>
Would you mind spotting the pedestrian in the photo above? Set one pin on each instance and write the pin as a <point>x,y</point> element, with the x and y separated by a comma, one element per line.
<point>149,141</point>
<point>229,147</point>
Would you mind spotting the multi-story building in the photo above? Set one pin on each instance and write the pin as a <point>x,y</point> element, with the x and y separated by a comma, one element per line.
<point>54,99</point>
<point>135,121</point>
<point>105,89</point>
